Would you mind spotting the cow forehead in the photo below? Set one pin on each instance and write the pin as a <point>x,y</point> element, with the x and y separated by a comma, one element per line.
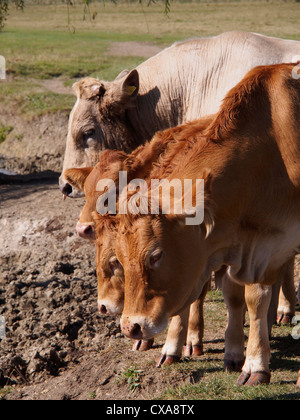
<point>84,111</point>
<point>141,236</point>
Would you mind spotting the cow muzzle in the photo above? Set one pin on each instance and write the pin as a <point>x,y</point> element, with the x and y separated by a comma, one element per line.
<point>68,190</point>
<point>107,307</point>
<point>139,328</point>
<point>86,231</point>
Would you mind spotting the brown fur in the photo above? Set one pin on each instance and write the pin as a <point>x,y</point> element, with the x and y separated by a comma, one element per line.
<point>252,150</point>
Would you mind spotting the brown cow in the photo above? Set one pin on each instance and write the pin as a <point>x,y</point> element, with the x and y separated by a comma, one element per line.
<point>249,158</point>
<point>110,274</point>
<point>110,289</point>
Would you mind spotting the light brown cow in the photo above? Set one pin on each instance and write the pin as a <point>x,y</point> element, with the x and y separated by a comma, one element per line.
<point>249,158</point>
<point>182,83</point>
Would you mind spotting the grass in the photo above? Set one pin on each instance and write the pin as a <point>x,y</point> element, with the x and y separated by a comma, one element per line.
<point>49,41</point>
<point>4,132</point>
<point>5,391</point>
<point>131,376</point>
<point>210,382</point>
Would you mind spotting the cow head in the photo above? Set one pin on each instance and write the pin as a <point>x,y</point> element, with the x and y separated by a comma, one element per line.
<point>163,259</point>
<point>86,180</point>
<point>98,122</point>
<point>100,229</point>
<point>110,272</point>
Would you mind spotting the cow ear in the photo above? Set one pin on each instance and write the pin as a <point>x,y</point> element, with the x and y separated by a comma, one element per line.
<point>77,177</point>
<point>122,74</point>
<point>125,89</point>
<point>198,205</point>
<point>131,84</point>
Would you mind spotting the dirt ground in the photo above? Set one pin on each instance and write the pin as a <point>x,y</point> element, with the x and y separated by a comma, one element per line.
<point>57,346</point>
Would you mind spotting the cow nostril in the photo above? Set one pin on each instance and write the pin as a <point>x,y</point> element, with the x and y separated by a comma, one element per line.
<point>88,230</point>
<point>103,309</point>
<point>67,189</point>
<point>136,331</point>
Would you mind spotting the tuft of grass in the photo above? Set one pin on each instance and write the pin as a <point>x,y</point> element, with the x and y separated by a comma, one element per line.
<point>4,132</point>
<point>131,376</point>
<point>5,391</point>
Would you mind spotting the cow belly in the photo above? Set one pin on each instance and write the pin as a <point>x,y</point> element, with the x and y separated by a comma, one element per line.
<point>253,260</point>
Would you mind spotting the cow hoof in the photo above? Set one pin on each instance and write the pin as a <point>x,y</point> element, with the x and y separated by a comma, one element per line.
<point>196,350</point>
<point>256,378</point>
<point>233,365</point>
<point>243,378</point>
<point>283,319</point>
<point>142,345</point>
<point>167,360</point>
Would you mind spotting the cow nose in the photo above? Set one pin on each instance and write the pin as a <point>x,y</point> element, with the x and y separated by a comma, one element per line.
<point>66,189</point>
<point>85,230</point>
<point>102,309</point>
<point>132,330</point>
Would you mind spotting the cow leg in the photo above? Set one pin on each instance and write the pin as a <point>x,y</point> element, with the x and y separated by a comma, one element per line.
<point>234,296</point>
<point>272,312</point>
<point>176,338</point>
<point>287,296</point>
<point>194,342</point>
<point>256,368</point>
<point>219,277</point>
<point>298,382</point>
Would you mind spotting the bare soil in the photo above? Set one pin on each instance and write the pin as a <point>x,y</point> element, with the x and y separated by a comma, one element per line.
<point>57,346</point>
<point>33,145</point>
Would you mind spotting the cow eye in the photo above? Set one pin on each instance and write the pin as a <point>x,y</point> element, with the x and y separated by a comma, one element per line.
<point>155,258</point>
<point>114,265</point>
<point>89,138</point>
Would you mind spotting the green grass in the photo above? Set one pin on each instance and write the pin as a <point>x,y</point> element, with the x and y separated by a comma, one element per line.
<point>5,391</point>
<point>48,41</point>
<point>4,132</point>
<point>209,381</point>
<point>130,376</point>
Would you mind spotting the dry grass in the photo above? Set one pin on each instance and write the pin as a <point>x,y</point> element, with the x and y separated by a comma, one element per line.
<point>274,18</point>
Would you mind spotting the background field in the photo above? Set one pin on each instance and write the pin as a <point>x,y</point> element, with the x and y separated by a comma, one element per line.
<point>48,47</point>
